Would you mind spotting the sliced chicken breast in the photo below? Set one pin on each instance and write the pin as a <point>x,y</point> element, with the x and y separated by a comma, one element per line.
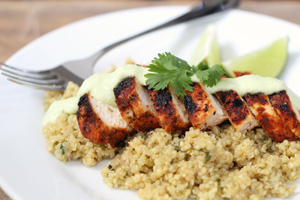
<point>267,117</point>
<point>287,112</point>
<point>170,110</point>
<point>204,109</point>
<point>135,106</point>
<point>102,123</point>
<point>238,112</point>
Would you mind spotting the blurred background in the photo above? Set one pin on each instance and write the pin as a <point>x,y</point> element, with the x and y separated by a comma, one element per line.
<point>23,21</point>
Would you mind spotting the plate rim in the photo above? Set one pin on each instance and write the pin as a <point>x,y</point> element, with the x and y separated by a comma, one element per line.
<point>3,183</point>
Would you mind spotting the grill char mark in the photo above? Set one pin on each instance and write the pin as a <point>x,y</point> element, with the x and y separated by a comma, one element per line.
<point>234,106</point>
<point>237,110</point>
<point>284,108</point>
<point>204,111</point>
<point>261,107</point>
<point>189,104</point>
<point>127,82</point>
<point>163,98</point>
<point>93,128</point>
<point>167,111</point>
<point>140,115</point>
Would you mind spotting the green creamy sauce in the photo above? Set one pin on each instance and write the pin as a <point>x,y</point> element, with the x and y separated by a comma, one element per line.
<point>101,86</point>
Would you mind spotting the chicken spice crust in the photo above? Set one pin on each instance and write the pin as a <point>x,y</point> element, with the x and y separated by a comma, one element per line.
<point>268,118</point>
<point>203,109</point>
<point>135,106</point>
<point>289,114</point>
<point>239,114</point>
<point>172,116</point>
<point>94,128</point>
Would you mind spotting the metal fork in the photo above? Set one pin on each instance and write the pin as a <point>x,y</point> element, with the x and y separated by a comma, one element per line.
<point>58,77</point>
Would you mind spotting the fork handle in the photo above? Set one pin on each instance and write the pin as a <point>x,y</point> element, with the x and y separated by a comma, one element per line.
<point>204,8</point>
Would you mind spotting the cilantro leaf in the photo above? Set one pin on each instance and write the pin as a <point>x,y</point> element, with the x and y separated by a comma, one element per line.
<point>210,76</point>
<point>203,65</point>
<point>181,82</point>
<point>169,70</point>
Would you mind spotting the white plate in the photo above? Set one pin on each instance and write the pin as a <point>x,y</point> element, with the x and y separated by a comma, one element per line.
<point>28,171</point>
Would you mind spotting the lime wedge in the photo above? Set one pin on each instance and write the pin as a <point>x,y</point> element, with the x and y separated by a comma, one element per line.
<point>268,61</point>
<point>207,48</point>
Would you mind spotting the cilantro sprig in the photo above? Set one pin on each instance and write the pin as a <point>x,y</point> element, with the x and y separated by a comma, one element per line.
<point>168,69</point>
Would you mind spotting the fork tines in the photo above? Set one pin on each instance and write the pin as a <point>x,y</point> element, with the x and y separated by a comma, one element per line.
<point>46,80</point>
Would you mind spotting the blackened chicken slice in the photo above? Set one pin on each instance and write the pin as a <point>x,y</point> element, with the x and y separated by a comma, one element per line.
<point>135,106</point>
<point>288,113</point>
<point>267,117</point>
<point>204,109</point>
<point>170,110</point>
<point>101,123</point>
<point>238,112</point>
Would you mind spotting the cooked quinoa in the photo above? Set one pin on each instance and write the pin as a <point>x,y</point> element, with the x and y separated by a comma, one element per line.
<point>218,164</point>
